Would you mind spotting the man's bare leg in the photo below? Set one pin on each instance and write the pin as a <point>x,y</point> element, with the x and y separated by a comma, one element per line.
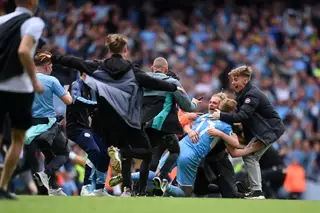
<point>12,157</point>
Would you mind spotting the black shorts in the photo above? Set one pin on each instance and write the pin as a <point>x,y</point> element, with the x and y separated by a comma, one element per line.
<point>18,106</point>
<point>52,142</point>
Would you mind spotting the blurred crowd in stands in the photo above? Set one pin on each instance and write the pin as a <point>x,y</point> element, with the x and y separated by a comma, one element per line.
<point>281,43</point>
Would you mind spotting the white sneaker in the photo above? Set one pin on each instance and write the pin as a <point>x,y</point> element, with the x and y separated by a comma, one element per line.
<point>164,185</point>
<point>42,179</point>
<point>100,192</point>
<point>115,161</point>
<point>56,192</point>
<point>86,190</point>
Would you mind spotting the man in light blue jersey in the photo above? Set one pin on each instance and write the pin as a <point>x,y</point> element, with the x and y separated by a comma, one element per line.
<point>209,133</point>
<point>45,132</point>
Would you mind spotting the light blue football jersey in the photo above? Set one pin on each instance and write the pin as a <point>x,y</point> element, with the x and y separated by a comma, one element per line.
<point>206,142</point>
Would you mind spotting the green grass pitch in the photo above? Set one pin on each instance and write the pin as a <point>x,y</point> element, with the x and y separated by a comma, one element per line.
<point>46,204</point>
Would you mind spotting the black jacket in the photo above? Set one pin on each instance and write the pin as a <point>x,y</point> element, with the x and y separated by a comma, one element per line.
<point>118,82</point>
<point>78,113</point>
<point>10,37</point>
<point>116,66</point>
<point>159,110</point>
<point>257,116</point>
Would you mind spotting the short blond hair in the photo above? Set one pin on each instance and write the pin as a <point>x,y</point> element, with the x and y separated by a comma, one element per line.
<point>241,71</point>
<point>220,95</point>
<point>160,62</point>
<point>116,43</point>
<point>228,105</point>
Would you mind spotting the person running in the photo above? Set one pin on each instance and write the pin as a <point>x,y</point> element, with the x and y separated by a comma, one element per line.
<point>79,130</point>
<point>45,132</point>
<point>19,36</point>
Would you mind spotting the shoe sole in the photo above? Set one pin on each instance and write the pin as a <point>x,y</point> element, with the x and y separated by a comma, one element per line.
<point>117,180</point>
<point>37,178</point>
<point>255,198</point>
<point>164,186</point>
<point>115,161</point>
<point>42,190</point>
<point>100,195</point>
<point>156,182</point>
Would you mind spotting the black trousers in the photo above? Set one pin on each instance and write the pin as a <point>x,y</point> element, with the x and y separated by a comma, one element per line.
<point>54,146</point>
<point>133,143</point>
<point>218,171</point>
<point>160,142</point>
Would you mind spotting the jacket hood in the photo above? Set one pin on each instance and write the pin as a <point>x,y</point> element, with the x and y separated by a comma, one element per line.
<point>159,75</point>
<point>173,75</point>
<point>116,66</point>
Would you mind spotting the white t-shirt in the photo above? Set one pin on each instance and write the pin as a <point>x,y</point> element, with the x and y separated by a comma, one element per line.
<point>34,27</point>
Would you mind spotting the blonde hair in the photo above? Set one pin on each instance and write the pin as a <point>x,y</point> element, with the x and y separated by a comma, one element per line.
<point>241,71</point>
<point>220,95</point>
<point>116,43</point>
<point>228,105</point>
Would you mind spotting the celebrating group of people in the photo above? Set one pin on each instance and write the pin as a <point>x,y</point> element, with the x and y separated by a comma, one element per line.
<point>117,112</point>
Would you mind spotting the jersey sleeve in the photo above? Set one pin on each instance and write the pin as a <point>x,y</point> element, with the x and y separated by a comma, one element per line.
<point>227,129</point>
<point>57,89</point>
<point>34,27</point>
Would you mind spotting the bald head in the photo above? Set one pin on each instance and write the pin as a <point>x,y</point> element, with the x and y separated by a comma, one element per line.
<point>160,64</point>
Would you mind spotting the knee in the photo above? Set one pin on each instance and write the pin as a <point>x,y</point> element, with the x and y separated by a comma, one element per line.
<point>62,151</point>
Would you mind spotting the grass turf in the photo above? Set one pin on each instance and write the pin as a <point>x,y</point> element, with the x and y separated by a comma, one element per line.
<point>46,204</point>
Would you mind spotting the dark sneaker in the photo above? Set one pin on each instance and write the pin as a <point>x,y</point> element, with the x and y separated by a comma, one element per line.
<point>255,195</point>
<point>142,194</point>
<point>5,195</point>
<point>213,188</point>
<point>241,187</point>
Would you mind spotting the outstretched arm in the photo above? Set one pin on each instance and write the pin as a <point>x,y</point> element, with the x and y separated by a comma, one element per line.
<point>232,139</point>
<point>87,66</point>
<point>234,152</point>
<point>76,95</point>
<point>246,111</point>
<point>146,81</point>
